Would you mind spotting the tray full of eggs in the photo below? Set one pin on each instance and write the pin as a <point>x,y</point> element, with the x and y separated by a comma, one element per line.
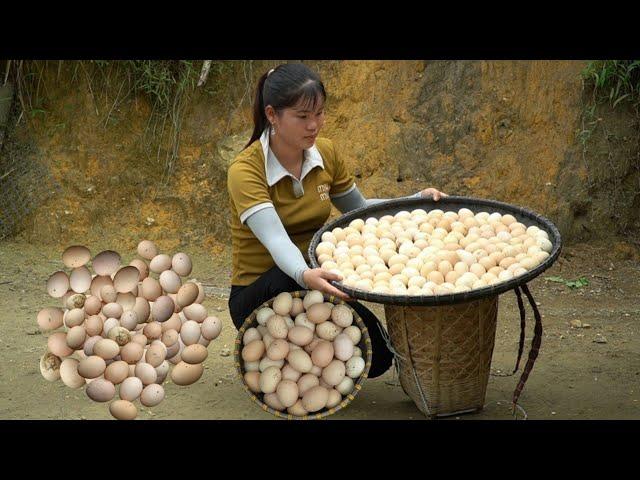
<point>421,252</point>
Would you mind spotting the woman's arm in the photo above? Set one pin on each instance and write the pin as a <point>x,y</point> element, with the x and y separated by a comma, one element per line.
<point>268,228</point>
<point>353,199</point>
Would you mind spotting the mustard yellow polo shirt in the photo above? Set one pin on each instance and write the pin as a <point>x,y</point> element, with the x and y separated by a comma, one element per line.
<point>256,180</point>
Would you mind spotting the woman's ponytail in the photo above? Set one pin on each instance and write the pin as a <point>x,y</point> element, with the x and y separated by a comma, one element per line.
<point>259,117</point>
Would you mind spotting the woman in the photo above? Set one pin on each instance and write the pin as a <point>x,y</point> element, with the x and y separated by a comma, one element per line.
<point>281,187</point>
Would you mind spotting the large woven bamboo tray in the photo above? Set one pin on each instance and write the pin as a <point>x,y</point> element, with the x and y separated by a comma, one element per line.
<point>454,203</point>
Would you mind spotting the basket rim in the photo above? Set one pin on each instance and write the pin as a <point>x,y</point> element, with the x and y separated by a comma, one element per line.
<point>430,204</point>
<point>364,344</point>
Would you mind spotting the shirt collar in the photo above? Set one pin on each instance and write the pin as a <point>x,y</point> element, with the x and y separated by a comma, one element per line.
<point>276,172</point>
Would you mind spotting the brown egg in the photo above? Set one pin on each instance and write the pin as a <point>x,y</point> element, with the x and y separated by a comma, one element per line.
<point>123,410</point>
<point>142,309</point>
<point>181,264</point>
<point>322,355</point>
<point>151,289</point>
<point>289,373</point>
<point>57,344</point>
<point>195,312</point>
<point>50,318</point>
<point>162,308</point>
<point>253,351</point>
<point>50,367</point>
<point>334,398</point>
<point>147,249</point>
<point>203,341</point>
<point>211,327</point>
<point>252,379</point>
<point>117,372</point>
<point>278,349</point>
<point>112,310</point>
<point>194,354</point>
<point>160,263</point>
<point>80,279</point>
<point>306,382</point>
<point>58,284</point>
<point>170,281</point>
<point>328,330</point>
<point>74,317</point>
<point>334,373</point>
<point>152,330</point>
<point>69,373</point>
<point>97,283</point>
<point>76,256</point>
<point>146,373</point>
<point>131,388</point>
<point>187,294</point>
<point>132,352</point>
<point>277,327</point>
<point>152,395</point>
<point>190,332</point>
<point>296,307</point>
<point>76,337</point>
<point>186,374</point>
<point>169,337</point>
<point>300,360</point>
<point>282,303</point>
<point>156,354</point>
<point>142,267</point>
<point>126,279</point>
<point>101,390</point>
<point>91,367</point>
<point>319,313</point>
<point>108,294</point>
<point>342,316</point>
<point>315,399</point>
<point>75,300</point>
<point>106,348</point>
<point>92,305</point>
<point>129,320</point>
<point>106,263</point>
<point>174,350</point>
<point>287,392</point>
<point>312,297</point>
<point>140,339</point>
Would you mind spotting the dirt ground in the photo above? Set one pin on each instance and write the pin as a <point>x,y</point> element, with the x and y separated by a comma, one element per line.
<point>574,377</point>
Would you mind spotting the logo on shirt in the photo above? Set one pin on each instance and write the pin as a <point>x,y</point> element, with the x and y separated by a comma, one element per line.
<point>323,190</point>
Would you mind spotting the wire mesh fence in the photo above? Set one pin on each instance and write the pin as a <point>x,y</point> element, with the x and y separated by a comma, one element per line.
<point>25,184</point>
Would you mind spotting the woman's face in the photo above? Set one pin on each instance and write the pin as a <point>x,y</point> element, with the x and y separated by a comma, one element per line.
<point>299,125</point>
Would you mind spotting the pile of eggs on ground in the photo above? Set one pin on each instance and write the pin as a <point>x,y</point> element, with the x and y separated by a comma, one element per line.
<point>122,328</point>
<point>434,253</point>
<point>303,355</point>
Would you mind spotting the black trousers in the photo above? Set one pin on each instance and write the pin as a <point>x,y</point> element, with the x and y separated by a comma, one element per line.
<point>245,299</point>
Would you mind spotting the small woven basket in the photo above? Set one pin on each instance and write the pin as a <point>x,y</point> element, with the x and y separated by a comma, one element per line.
<point>364,344</point>
<point>443,353</point>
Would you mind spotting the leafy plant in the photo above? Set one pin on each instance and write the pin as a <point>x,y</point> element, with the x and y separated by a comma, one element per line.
<point>579,283</point>
<point>614,81</point>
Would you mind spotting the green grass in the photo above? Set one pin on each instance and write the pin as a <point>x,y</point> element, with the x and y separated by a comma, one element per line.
<point>614,81</point>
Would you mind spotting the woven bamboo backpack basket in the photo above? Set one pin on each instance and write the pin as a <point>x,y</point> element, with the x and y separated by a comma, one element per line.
<point>443,344</point>
<point>364,345</point>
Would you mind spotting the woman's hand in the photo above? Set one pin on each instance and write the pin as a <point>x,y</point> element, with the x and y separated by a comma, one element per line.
<point>433,193</point>
<point>318,279</point>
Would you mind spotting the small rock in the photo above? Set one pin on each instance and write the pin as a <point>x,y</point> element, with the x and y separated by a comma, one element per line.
<point>586,325</point>
<point>561,337</point>
<point>575,324</point>
<point>225,352</point>
<point>553,413</point>
<point>600,339</point>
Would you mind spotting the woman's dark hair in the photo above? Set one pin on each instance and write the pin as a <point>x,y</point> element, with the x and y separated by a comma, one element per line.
<point>284,87</point>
